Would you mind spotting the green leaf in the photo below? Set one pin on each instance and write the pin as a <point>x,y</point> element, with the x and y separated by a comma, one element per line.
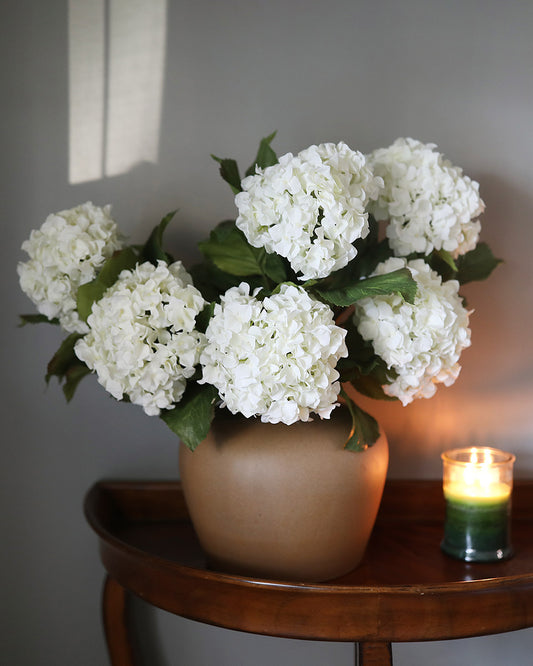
<point>361,354</point>
<point>37,319</point>
<point>365,428</point>
<point>191,418</point>
<point>373,255</point>
<point>265,155</point>
<point>372,238</point>
<point>477,264</point>
<point>370,386</point>
<point>447,258</point>
<point>152,250</point>
<point>369,255</point>
<point>211,281</point>
<point>439,264</point>
<point>203,317</point>
<point>92,291</point>
<point>230,173</point>
<point>366,371</point>
<point>400,282</point>
<point>229,250</point>
<point>73,376</point>
<point>229,169</point>
<point>271,265</point>
<point>64,357</point>
<point>67,367</point>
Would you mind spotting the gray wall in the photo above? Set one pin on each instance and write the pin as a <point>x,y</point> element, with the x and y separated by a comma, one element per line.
<point>200,77</point>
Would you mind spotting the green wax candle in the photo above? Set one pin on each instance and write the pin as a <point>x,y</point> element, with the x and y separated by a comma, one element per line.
<point>477,490</point>
<point>477,529</point>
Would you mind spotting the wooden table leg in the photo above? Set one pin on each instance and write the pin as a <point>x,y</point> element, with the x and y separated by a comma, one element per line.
<point>116,627</point>
<point>374,654</point>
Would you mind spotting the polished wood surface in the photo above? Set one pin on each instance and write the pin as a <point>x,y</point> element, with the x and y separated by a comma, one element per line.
<point>116,625</point>
<point>374,654</point>
<point>406,589</point>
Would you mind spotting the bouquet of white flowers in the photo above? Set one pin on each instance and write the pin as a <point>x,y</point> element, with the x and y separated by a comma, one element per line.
<point>339,269</point>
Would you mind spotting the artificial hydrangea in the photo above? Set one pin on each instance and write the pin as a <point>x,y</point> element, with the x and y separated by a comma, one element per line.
<point>275,358</point>
<point>429,203</point>
<point>421,343</point>
<point>65,253</point>
<point>142,340</point>
<point>309,208</point>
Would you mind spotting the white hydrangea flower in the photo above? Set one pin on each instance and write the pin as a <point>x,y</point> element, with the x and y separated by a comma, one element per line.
<point>422,342</point>
<point>142,340</point>
<point>429,203</point>
<point>275,358</point>
<point>65,253</point>
<point>309,208</point>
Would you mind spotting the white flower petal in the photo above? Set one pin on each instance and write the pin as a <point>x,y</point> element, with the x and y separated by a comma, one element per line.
<point>420,343</point>
<point>65,253</point>
<point>142,341</point>
<point>429,203</point>
<point>280,361</point>
<point>309,208</point>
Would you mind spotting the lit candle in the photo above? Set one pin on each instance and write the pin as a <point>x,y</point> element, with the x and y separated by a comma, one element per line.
<point>477,484</point>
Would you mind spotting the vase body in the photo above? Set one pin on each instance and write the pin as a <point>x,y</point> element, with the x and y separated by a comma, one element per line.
<point>283,502</point>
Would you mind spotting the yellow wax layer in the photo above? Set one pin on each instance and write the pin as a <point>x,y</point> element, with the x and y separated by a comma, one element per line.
<point>477,494</point>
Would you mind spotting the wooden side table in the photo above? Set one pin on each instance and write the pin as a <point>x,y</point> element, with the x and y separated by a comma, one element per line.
<point>406,589</point>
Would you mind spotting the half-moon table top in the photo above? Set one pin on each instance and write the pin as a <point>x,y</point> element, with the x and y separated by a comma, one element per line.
<point>405,589</point>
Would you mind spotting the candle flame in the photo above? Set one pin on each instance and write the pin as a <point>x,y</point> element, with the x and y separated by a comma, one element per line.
<point>486,456</point>
<point>479,472</point>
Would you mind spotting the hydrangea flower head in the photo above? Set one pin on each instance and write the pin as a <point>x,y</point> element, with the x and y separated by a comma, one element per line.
<point>65,253</point>
<point>142,340</point>
<point>421,343</point>
<point>309,208</point>
<point>429,203</point>
<point>274,358</point>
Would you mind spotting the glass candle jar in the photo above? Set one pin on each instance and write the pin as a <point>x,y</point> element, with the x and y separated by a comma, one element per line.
<point>477,484</point>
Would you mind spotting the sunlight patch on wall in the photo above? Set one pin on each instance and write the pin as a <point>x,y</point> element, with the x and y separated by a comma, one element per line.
<point>86,89</point>
<point>116,73</point>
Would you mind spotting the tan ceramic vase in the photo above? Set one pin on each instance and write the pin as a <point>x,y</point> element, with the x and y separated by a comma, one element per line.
<point>283,502</point>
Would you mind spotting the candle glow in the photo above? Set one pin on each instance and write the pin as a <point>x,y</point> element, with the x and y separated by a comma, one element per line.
<point>478,480</point>
<point>477,486</point>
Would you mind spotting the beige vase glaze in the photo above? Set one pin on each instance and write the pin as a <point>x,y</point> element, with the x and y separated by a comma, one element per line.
<point>283,502</point>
